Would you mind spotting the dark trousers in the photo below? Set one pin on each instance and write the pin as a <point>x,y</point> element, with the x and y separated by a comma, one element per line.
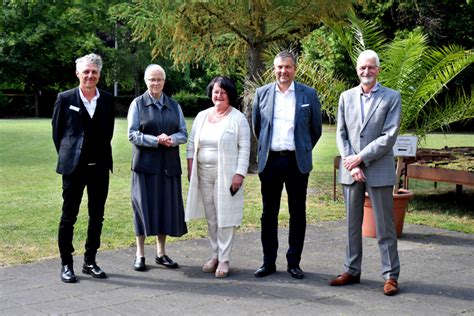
<point>281,169</point>
<point>96,179</point>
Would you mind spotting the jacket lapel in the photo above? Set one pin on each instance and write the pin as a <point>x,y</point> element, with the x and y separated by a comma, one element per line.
<point>299,100</point>
<point>77,99</point>
<point>358,106</point>
<point>271,103</point>
<point>99,108</point>
<point>378,96</point>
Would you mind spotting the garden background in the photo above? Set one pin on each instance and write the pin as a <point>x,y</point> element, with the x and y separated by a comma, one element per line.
<point>194,41</point>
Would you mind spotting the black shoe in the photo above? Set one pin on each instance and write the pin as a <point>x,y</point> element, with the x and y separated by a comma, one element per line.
<point>67,274</point>
<point>94,270</point>
<point>297,273</point>
<point>166,261</point>
<point>139,264</point>
<point>264,270</point>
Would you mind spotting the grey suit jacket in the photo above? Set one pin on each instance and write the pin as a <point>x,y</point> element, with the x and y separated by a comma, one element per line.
<point>372,140</point>
<point>307,123</point>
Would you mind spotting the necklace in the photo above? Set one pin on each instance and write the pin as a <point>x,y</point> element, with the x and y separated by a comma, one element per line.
<point>215,117</point>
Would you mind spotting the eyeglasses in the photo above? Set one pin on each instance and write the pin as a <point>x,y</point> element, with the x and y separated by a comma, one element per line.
<point>153,80</point>
<point>369,68</point>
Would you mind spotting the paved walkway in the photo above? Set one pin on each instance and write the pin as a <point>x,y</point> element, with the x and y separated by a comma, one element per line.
<point>436,279</point>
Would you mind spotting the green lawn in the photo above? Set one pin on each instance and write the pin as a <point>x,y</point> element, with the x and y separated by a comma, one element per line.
<point>30,193</point>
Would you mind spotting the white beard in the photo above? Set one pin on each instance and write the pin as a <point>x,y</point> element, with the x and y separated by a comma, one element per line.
<point>367,80</point>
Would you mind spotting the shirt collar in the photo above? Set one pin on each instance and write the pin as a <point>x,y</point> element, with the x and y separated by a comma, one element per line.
<point>374,89</point>
<point>152,100</point>
<point>291,88</point>
<point>97,95</point>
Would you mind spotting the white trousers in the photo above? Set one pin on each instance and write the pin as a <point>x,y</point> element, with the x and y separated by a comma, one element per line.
<point>221,238</point>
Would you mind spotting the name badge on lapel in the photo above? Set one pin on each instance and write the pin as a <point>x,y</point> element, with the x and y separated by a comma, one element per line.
<point>74,108</point>
<point>304,105</point>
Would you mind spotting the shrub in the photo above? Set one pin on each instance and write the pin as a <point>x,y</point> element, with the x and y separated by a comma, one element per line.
<point>191,104</point>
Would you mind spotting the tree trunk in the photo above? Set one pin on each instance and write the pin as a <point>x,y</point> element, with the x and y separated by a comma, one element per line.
<point>253,140</point>
<point>136,82</point>
<point>255,67</point>
<point>37,110</point>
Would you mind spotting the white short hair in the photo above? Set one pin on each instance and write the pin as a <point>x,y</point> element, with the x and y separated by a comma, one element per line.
<point>91,59</point>
<point>369,54</point>
<point>153,67</point>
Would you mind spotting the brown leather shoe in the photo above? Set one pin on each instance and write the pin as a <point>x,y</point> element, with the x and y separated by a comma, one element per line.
<point>390,287</point>
<point>345,279</point>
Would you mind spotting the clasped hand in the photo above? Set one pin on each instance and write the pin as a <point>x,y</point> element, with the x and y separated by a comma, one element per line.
<point>165,140</point>
<point>352,163</point>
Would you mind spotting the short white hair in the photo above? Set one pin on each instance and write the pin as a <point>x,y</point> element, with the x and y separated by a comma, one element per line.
<point>91,59</point>
<point>369,54</point>
<point>153,67</point>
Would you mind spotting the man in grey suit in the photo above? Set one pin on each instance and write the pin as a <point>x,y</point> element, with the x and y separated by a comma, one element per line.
<point>286,120</point>
<point>368,121</point>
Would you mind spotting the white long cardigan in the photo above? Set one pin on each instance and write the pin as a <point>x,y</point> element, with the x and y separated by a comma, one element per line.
<point>233,150</point>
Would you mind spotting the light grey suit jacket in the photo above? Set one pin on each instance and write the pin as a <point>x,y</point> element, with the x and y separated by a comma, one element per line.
<point>372,140</point>
<point>307,123</point>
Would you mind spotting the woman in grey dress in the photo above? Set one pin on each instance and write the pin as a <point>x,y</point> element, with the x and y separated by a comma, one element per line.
<point>156,128</point>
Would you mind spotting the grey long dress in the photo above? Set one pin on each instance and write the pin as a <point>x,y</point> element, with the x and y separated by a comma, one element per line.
<point>156,170</point>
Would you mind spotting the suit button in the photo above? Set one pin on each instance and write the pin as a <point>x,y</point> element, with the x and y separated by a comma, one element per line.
<point>361,136</point>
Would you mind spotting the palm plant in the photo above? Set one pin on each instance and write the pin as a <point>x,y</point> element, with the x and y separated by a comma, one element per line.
<point>327,84</point>
<point>421,73</point>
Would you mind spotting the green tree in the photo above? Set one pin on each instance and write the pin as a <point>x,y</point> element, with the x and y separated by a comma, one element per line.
<point>443,21</point>
<point>323,48</point>
<point>127,61</point>
<point>327,82</point>
<point>420,72</point>
<point>234,35</point>
<point>40,40</point>
<point>224,32</point>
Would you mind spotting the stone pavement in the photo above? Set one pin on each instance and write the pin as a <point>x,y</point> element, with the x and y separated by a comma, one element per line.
<point>436,279</point>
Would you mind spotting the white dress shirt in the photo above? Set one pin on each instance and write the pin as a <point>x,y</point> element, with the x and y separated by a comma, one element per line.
<point>284,119</point>
<point>90,106</point>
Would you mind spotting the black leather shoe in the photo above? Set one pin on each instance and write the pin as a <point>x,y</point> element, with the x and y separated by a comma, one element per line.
<point>94,270</point>
<point>166,261</point>
<point>264,270</point>
<point>139,264</point>
<point>67,274</point>
<point>297,273</point>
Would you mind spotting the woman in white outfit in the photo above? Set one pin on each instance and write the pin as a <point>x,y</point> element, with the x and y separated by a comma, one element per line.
<point>218,156</point>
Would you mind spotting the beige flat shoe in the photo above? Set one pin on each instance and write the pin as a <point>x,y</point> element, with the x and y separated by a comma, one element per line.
<point>222,270</point>
<point>210,266</point>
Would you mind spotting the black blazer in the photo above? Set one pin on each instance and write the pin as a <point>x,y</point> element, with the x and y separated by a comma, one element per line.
<point>68,129</point>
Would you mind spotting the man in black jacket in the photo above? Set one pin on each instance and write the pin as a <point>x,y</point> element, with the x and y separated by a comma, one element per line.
<point>83,125</point>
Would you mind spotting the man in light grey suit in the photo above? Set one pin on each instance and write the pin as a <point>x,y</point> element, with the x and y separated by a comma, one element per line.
<point>368,121</point>
<point>286,120</point>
